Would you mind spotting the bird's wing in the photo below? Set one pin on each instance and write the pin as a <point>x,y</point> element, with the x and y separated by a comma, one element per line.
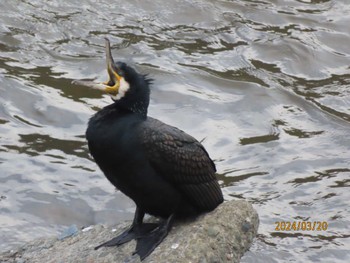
<point>182,160</point>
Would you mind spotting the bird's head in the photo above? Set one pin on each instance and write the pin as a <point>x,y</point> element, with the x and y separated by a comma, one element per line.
<point>127,88</point>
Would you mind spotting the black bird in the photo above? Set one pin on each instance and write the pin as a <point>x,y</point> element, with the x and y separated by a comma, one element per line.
<point>166,172</point>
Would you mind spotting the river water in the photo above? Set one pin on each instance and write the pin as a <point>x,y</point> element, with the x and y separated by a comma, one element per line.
<point>264,84</point>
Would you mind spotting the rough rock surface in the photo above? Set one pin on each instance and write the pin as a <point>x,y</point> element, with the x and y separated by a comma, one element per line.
<point>222,235</point>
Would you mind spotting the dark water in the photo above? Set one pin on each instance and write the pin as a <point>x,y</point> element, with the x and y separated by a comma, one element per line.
<point>264,84</point>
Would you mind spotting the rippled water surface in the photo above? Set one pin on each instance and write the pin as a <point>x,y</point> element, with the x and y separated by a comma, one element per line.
<point>263,84</point>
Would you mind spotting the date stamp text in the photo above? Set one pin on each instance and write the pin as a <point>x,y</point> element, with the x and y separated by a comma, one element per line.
<point>301,226</point>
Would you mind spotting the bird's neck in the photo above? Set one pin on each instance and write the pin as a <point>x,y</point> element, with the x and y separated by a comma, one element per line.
<point>138,107</point>
<point>138,102</point>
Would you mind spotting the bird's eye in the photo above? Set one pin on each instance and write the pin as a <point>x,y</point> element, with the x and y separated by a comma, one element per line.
<point>120,73</point>
<point>120,68</point>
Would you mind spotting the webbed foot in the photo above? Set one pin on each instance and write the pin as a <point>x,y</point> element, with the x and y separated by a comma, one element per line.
<point>134,232</point>
<point>147,243</point>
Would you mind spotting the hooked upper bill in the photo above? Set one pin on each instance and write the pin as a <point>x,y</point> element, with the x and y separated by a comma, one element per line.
<point>113,84</point>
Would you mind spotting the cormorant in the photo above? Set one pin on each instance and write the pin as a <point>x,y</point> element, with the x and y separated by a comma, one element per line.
<point>166,172</point>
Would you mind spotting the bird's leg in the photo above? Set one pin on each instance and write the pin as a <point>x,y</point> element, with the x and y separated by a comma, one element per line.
<point>136,230</point>
<point>147,243</point>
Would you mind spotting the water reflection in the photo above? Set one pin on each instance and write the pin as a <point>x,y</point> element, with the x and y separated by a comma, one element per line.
<point>36,144</point>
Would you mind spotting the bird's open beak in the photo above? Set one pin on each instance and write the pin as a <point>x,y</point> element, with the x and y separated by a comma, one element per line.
<point>112,85</point>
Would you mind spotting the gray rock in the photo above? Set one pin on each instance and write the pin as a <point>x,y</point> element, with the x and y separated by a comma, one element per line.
<point>70,231</point>
<point>222,235</point>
